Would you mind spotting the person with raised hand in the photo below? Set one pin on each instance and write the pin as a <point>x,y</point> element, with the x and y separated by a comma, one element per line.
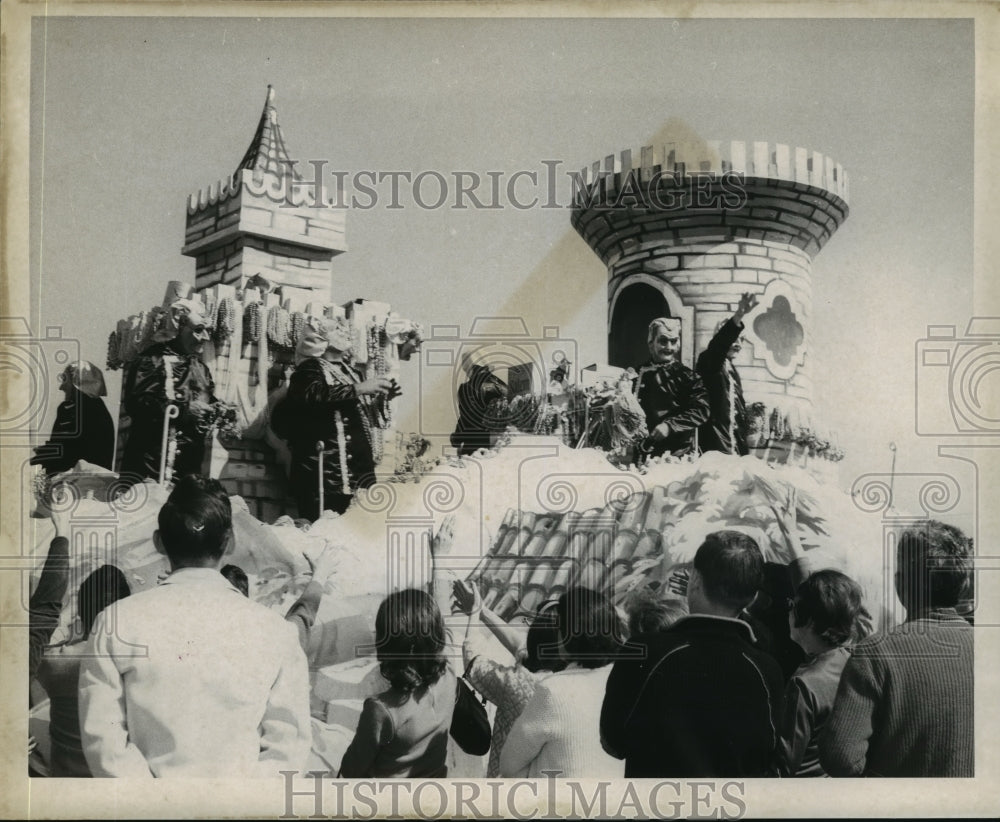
<point>509,687</point>
<point>726,428</point>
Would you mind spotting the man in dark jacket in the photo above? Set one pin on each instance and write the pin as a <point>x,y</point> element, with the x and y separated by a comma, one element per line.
<point>725,430</point>
<point>672,396</point>
<point>698,699</point>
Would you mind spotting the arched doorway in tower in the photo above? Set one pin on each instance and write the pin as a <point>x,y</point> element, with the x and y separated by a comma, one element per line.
<point>636,307</point>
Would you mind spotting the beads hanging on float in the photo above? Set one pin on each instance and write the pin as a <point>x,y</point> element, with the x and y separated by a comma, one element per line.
<point>252,323</point>
<point>225,322</point>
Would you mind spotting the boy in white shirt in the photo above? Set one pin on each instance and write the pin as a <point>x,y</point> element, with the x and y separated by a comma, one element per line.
<point>191,678</point>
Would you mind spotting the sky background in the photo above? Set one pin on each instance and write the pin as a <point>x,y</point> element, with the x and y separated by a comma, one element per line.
<point>129,116</point>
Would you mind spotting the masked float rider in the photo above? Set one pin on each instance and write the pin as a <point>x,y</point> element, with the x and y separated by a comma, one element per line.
<point>328,401</point>
<point>672,396</point>
<point>170,373</point>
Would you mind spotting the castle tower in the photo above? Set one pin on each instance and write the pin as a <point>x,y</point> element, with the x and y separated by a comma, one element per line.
<point>691,226</point>
<point>264,220</point>
<point>263,240</point>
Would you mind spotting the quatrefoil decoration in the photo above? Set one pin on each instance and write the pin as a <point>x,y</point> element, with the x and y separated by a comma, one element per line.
<point>780,331</point>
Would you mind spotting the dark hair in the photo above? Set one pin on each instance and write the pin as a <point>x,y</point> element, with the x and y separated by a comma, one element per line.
<point>195,520</point>
<point>731,567</point>
<point>590,631</point>
<point>237,578</point>
<point>649,613</point>
<point>105,585</point>
<point>542,642</point>
<point>934,565</point>
<point>832,602</point>
<point>410,640</point>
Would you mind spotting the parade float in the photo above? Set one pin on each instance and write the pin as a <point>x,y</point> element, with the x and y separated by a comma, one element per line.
<point>561,499</point>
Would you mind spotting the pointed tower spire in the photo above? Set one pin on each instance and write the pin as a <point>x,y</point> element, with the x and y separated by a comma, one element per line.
<point>257,222</point>
<point>267,151</point>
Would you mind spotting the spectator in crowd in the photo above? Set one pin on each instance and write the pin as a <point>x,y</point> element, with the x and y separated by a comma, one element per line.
<point>83,429</point>
<point>558,730</point>
<point>725,429</point>
<point>509,687</point>
<point>329,402</point>
<point>237,578</point>
<point>302,613</point>
<point>700,700</point>
<point>672,396</point>
<point>825,616</point>
<point>169,373</point>
<point>46,602</point>
<point>649,613</point>
<point>59,672</point>
<point>403,732</point>
<point>194,680</point>
<point>904,706</point>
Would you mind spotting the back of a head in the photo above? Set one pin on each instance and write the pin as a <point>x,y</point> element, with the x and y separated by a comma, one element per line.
<point>731,567</point>
<point>237,578</point>
<point>649,613</point>
<point>195,521</point>
<point>934,566</point>
<point>105,585</point>
<point>410,640</point>
<point>590,631</point>
<point>542,642</point>
<point>832,602</point>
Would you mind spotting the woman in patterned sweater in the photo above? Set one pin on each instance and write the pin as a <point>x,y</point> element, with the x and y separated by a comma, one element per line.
<point>509,687</point>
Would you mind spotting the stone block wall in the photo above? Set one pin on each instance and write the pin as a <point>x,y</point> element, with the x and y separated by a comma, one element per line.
<point>252,471</point>
<point>257,222</point>
<point>711,278</point>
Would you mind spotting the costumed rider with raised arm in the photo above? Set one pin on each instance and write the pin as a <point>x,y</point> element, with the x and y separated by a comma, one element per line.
<point>164,374</point>
<point>672,396</point>
<point>328,401</point>
<point>726,429</point>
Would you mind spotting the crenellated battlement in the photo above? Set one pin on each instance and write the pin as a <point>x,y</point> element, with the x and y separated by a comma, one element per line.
<point>282,190</point>
<point>763,160</point>
<point>219,191</point>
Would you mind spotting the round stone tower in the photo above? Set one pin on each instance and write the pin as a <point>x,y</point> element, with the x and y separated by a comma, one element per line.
<point>690,227</point>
